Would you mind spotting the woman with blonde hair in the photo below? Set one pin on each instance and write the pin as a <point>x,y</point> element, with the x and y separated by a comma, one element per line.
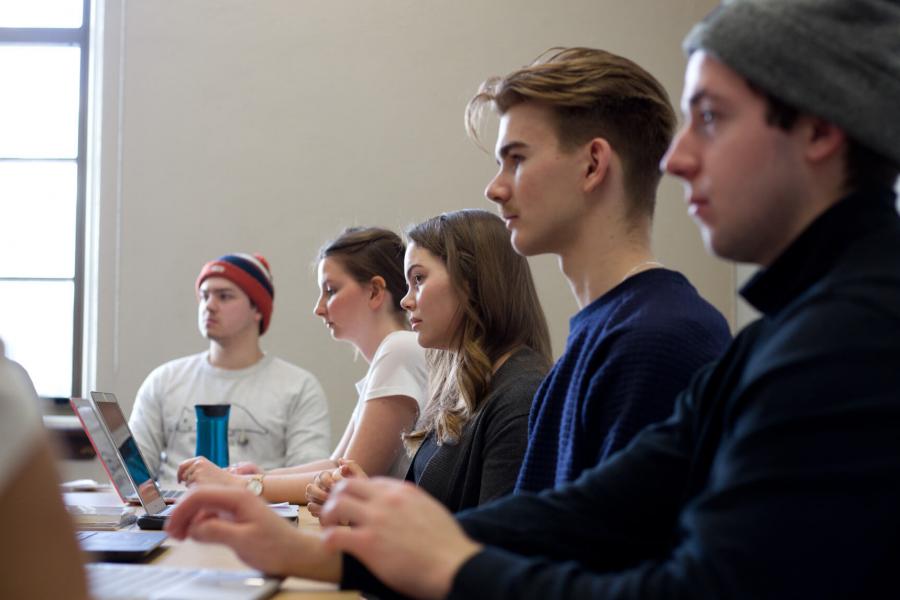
<point>473,303</point>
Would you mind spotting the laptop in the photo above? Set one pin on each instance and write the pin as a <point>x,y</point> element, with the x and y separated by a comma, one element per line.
<point>110,581</point>
<point>120,546</point>
<point>106,449</point>
<point>109,415</point>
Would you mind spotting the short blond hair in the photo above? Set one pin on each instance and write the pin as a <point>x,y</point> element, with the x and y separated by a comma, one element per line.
<point>592,93</point>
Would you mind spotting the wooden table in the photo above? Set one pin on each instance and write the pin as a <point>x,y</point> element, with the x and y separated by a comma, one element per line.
<point>217,556</point>
<point>192,554</point>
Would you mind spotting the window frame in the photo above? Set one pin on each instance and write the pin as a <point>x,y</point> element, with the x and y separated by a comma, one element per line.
<point>68,37</point>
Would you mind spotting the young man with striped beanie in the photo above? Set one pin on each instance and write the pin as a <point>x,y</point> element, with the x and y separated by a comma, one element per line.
<point>279,414</point>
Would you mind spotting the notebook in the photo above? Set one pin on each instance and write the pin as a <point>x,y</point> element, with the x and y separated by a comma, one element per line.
<point>110,581</point>
<point>90,516</point>
<point>107,452</point>
<point>120,545</point>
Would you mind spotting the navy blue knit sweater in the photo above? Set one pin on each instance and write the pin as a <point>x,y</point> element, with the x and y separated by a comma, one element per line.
<point>627,356</point>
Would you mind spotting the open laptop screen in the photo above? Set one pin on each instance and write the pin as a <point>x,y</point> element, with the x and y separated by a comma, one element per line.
<point>110,413</point>
<point>104,448</point>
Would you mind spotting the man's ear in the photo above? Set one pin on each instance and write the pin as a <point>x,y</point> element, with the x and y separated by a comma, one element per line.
<point>824,139</point>
<point>257,314</point>
<point>599,156</point>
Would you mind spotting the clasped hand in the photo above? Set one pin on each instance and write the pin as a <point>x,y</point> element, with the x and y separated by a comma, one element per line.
<point>200,471</point>
<point>317,492</point>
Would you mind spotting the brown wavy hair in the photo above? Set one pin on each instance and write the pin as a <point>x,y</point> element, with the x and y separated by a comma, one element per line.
<point>592,93</point>
<point>500,313</point>
<point>367,252</point>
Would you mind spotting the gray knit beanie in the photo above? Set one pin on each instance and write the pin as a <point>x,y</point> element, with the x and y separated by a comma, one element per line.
<point>836,59</point>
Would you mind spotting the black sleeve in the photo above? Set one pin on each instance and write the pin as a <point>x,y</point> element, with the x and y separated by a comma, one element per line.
<point>355,576</point>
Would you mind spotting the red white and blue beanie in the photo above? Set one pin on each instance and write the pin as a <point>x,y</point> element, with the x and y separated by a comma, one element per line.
<point>250,273</point>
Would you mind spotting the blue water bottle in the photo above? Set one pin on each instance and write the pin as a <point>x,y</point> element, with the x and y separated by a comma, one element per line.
<point>212,432</point>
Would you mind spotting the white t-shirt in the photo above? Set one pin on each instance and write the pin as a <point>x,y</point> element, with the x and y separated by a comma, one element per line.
<point>20,421</point>
<point>278,416</point>
<point>397,369</point>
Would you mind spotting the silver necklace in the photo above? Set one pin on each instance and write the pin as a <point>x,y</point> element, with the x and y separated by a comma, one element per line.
<point>647,263</point>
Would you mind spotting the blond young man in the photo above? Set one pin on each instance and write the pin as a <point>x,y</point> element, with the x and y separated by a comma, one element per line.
<point>777,476</point>
<point>581,135</point>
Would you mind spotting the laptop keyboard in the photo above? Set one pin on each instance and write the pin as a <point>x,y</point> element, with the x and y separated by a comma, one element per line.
<point>171,494</point>
<point>133,581</point>
<point>108,581</point>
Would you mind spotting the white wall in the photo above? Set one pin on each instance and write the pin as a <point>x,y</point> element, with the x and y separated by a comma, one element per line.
<point>268,125</point>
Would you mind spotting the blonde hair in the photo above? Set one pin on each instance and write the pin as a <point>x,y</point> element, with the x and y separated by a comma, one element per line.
<point>500,312</point>
<point>592,93</point>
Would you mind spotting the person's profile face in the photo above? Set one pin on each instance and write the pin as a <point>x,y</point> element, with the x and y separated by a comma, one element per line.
<point>537,185</point>
<point>342,302</point>
<point>743,177</point>
<point>431,301</point>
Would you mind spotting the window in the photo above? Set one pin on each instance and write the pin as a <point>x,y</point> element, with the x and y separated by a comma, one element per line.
<point>43,66</point>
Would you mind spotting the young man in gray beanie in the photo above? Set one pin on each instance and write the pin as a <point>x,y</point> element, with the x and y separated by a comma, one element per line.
<point>779,474</point>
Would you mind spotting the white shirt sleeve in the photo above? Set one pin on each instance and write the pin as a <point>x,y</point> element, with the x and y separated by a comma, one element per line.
<point>398,369</point>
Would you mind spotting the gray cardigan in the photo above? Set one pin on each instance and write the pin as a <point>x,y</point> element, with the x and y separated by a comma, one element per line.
<point>485,462</point>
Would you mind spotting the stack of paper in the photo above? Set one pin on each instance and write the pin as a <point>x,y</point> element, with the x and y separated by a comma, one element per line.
<point>85,485</point>
<point>101,517</point>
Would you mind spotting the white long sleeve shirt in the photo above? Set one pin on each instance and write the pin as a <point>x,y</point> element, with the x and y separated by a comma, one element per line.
<point>278,416</point>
